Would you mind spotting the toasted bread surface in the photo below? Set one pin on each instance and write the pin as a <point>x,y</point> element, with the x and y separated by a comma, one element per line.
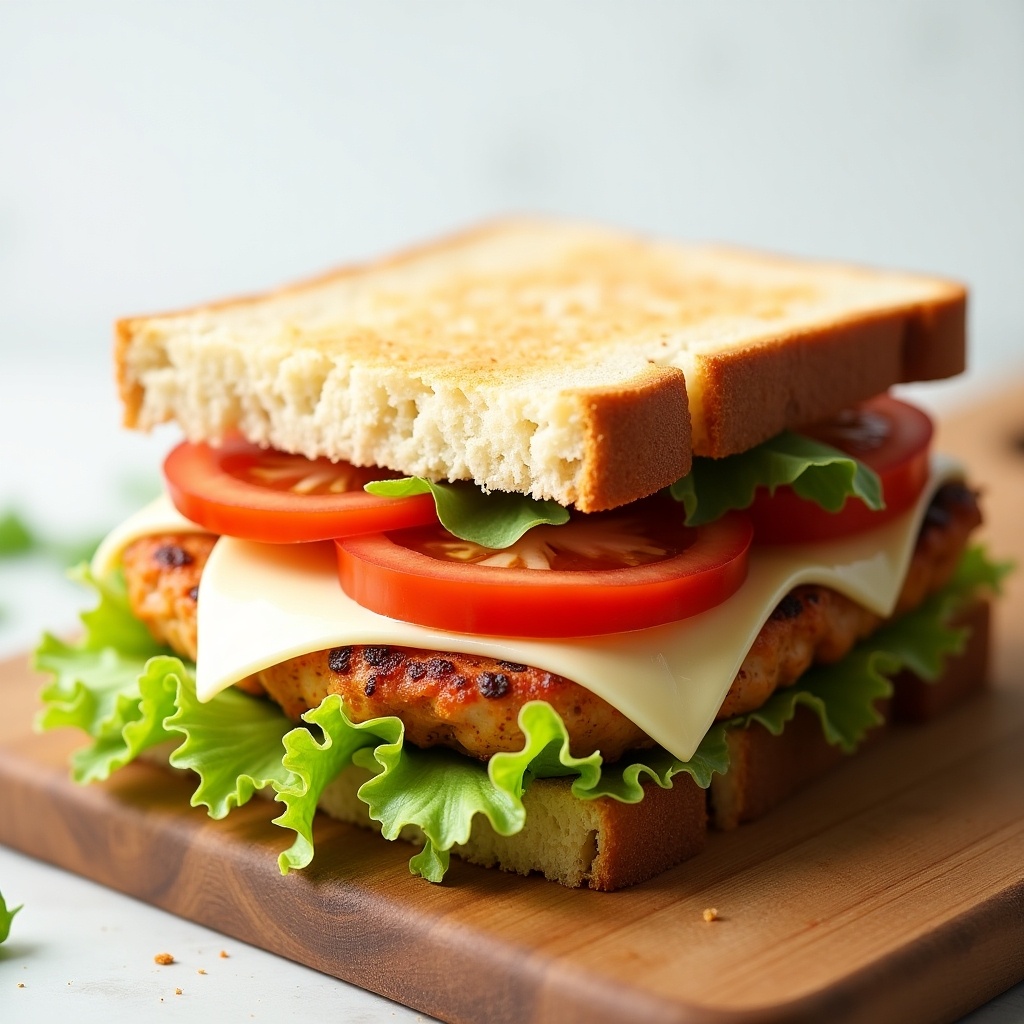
<point>556,359</point>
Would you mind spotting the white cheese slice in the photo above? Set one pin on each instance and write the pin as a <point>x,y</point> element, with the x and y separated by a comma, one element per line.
<point>262,604</point>
<point>159,516</point>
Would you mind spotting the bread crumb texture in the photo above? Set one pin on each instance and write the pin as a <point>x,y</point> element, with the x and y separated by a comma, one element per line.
<point>525,355</point>
<point>710,914</point>
<point>163,959</point>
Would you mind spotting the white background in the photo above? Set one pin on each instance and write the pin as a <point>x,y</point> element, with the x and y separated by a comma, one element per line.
<point>158,154</point>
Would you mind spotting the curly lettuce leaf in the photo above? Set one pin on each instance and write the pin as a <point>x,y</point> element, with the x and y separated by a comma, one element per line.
<point>6,917</point>
<point>494,519</point>
<point>440,792</point>
<point>233,743</point>
<point>116,683</point>
<point>111,624</point>
<point>312,764</point>
<point>138,723</point>
<point>843,696</point>
<point>816,471</point>
<point>623,780</point>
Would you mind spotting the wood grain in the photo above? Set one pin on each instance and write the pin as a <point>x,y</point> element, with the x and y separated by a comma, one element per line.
<point>893,890</point>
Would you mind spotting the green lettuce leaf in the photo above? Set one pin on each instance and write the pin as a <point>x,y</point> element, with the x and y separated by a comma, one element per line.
<point>115,684</point>
<point>233,743</point>
<point>817,472</point>
<point>440,792</point>
<point>138,722</point>
<point>6,917</point>
<point>843,696</point>
<point>312,764</point>
<point>494,519</point>
<point>623,780</point>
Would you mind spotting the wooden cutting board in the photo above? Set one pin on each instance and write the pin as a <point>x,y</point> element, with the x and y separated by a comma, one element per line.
<point>893,890</point>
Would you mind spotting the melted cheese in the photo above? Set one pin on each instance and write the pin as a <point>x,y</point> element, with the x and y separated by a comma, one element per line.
<point>159,516</point>
<point>262,604</point>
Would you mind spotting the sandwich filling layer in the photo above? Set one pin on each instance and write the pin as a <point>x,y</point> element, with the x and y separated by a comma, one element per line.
<point>471,703</point>
<point>278,613</point>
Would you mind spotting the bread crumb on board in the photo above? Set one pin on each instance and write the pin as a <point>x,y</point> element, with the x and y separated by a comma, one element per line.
<point>710,914</point>
<point>163,959</point>
<point>177,991</point>
<point>223,954</point>
<point>201,970</point>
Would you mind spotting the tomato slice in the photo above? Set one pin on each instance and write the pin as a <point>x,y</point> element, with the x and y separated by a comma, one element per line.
<point>245,491</point>
<point>889,436</point>
<point>601,573</point>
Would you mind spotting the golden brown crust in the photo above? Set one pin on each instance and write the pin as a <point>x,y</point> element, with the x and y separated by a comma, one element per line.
<point>637,441</point>
<point>933,345</point>
<point>759,391</point>
<point>639,841</point>
<point>800,377</point>
<point>601,844</point>
<point>765,769</point>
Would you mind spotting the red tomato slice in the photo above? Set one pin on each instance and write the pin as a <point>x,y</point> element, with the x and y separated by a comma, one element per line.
<point>260,494</point>
<point>890,437</point>
<point>601,573</point>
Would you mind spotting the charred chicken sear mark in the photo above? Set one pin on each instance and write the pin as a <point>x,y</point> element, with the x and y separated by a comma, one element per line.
<point>471,703</point>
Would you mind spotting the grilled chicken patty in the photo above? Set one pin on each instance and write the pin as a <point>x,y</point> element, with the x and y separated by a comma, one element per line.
<point>471,704</point>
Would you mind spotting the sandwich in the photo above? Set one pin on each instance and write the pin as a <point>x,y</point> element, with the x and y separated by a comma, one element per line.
<point>543,545</point>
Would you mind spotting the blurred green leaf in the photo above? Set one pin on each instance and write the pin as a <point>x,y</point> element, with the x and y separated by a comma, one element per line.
<point>16,537</point>
<point>19,538</point>
<point>6,916</point>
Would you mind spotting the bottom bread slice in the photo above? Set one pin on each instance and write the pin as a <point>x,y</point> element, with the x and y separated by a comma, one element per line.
<point>605,844</point>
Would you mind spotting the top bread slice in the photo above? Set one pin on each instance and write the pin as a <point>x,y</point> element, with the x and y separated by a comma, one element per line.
<point>550,358</point>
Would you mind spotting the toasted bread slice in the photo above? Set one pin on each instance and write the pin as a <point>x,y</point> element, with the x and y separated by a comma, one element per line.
<point>550,358</point>
<point>600,844</point>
